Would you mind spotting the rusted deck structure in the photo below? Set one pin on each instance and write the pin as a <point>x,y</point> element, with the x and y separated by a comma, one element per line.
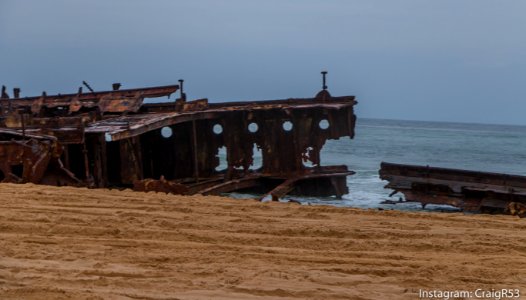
<point>469,190</point>
<point>122,138</point>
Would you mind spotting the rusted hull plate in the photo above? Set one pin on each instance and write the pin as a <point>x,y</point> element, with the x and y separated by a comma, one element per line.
<point>470,191</point>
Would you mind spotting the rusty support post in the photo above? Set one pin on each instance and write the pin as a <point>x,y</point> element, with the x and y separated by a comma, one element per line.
<point>130,156</point>
<point>183,95</point>
<point>194,146</point>
<point>138,154</point>
<point>99,161</point>
<point>9,105</point>
<point>66,157</point>
<point>86,161</point>
<point>4,93</point>
<point>23,121</point>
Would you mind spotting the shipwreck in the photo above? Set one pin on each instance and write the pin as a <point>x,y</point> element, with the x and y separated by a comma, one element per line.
<point>125,138</point>
<point>471,191</point>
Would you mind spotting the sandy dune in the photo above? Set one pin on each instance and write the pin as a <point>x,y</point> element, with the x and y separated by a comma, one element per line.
<point>62,243</point>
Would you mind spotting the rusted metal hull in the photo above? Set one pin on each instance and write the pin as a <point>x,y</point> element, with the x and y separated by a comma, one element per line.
<point>115,139</point>
<point>470,191</point>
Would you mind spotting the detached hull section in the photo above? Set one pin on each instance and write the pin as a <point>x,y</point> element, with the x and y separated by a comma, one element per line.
<point>470,191</point>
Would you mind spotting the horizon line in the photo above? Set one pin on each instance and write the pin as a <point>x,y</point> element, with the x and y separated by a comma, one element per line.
<point>437,121</point>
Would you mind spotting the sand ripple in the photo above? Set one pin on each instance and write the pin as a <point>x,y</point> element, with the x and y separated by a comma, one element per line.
<point>62,243</point>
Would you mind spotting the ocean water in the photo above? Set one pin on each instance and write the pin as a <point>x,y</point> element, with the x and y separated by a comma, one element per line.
<point>481,147</point>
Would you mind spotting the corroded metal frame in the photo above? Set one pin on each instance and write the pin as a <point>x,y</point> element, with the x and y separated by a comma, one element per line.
<point>114,139</point>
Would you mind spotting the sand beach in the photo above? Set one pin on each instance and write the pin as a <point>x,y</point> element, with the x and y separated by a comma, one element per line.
<point>76,243</point>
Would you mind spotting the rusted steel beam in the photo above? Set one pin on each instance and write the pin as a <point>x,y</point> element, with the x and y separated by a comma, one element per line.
<point>11,134</point>
<point>296,102</point>
<point>468,190</point>
<point>232,185</point>
<point>111,101</point>
<point>64,99</point>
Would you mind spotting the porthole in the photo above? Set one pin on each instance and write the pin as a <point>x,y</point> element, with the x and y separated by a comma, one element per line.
<point>287,125</point>
<point>253,127</point>
<point>166,132</point>
<point>324,124</point>
<point>218,129</point>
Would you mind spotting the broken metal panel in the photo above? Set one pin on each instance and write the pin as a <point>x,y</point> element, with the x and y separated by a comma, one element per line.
<point>122,127</point>
<point>468,190</point>
<point>114,104</point>
<point>28,157</point>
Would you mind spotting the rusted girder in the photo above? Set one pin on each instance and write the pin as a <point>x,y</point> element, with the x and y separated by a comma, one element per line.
<point>471,191</point>
<point>112,101</point>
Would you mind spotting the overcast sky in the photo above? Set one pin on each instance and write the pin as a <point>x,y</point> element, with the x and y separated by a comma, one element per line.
<point>441,60</point>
